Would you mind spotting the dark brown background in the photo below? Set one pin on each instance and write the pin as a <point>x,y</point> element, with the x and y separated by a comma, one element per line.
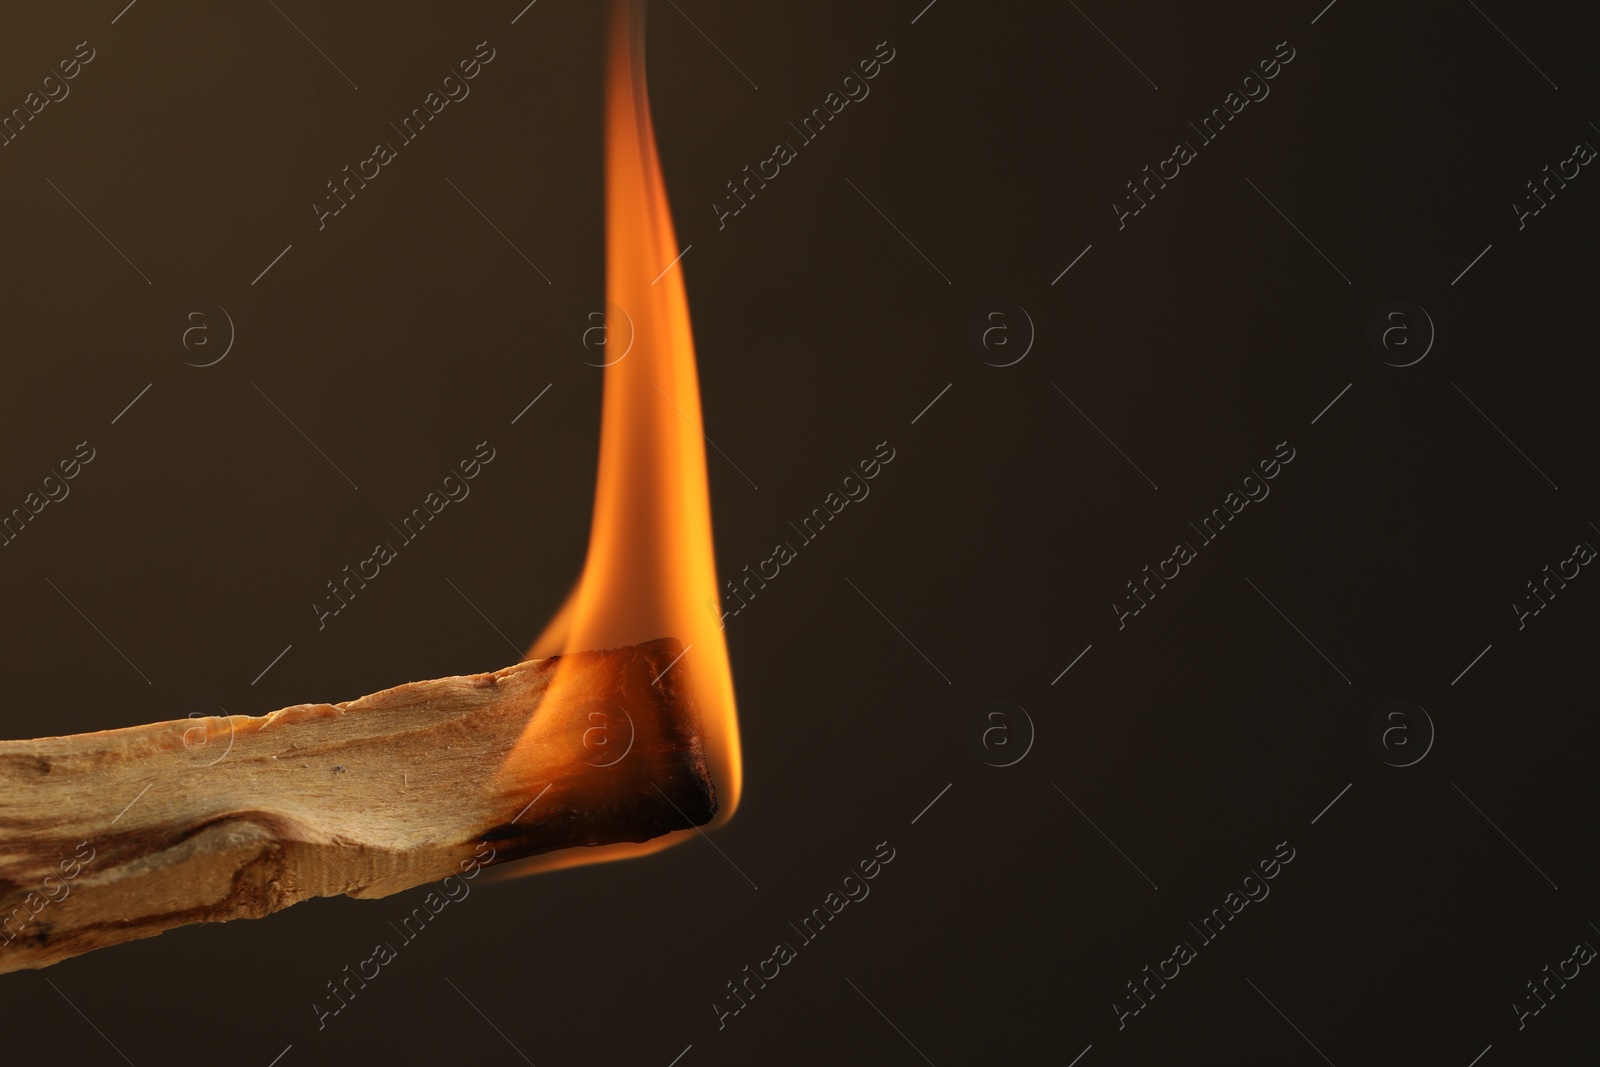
<point>1197,338</point>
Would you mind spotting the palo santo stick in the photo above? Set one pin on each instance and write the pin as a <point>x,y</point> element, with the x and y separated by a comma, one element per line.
<point>111,836</point>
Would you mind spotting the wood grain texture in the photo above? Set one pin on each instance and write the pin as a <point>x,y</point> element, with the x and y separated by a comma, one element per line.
<point>117,835</point>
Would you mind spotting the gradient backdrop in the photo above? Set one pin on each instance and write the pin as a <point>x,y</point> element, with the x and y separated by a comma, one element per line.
<point>1357,216</point>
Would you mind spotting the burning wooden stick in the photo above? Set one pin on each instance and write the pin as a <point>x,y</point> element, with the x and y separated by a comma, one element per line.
<point>112,836</point>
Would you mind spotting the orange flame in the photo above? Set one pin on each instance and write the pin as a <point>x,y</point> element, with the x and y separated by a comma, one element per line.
<point>650,571</point>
